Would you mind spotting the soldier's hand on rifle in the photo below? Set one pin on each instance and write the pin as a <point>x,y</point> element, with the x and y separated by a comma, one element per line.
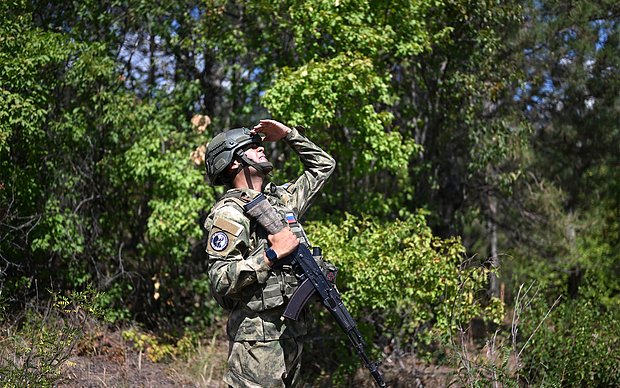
<point>273,130</point>
<point>283,243</point>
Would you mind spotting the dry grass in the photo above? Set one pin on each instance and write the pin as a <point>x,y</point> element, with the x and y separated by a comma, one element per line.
<point>112,362</point>
<point>206,366</point>
<point>103,357</point>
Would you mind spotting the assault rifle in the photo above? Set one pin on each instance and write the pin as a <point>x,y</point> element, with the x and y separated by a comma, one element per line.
<point>313,281</point>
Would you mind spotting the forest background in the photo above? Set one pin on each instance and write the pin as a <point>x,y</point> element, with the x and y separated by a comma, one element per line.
<point>474,213</point>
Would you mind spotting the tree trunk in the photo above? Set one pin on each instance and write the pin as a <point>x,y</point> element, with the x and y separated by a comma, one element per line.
<point>493,259</point>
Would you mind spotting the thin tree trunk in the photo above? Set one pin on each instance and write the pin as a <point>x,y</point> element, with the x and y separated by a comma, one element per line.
<point>493,259</point>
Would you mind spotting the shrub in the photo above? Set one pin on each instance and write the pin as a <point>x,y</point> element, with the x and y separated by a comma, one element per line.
<point>405,287</point>
<point>416,284</point>
<point>36,344</point>
<point>577,345</point>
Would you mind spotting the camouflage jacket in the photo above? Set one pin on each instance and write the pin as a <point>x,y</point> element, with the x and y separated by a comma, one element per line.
<point>255,293</point>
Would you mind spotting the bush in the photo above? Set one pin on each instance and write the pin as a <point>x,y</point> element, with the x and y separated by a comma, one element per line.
<point>406,288</point>
<point>417,285</point>
<point>577,345</point>
<point>36,344</point>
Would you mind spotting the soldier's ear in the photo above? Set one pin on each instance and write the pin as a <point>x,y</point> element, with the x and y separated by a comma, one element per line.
<point>233,166</point>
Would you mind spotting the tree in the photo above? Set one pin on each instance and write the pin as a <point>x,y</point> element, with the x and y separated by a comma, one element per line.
<point>570,94</point>
<point>394,95</point>
<point>98,186</point>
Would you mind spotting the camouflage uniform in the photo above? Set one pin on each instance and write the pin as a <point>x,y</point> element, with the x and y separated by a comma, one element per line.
<point>265,349</point>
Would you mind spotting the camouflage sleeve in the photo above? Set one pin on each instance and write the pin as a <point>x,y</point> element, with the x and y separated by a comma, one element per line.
<point>232,265</point>
<point>318,166</point>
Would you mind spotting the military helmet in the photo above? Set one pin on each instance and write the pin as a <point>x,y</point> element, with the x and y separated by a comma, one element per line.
<point>222,149</point>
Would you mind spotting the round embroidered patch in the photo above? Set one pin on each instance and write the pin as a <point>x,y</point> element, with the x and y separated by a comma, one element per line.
<point>219,241</point>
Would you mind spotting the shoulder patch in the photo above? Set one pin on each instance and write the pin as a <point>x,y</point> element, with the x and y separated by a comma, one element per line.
<point>226,232</point>
<point>219,241</point>
<point>228,226</point>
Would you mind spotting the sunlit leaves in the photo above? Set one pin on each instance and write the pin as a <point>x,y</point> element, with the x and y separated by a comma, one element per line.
<point>398,270</point>
<point>94,177</point>
<point>320,90</point>
<point>339,96</point>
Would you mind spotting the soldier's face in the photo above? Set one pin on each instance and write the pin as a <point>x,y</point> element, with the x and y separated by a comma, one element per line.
<point>256,153</point>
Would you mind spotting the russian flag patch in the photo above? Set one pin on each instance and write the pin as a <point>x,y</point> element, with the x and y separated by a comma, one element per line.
<point>290,218</point>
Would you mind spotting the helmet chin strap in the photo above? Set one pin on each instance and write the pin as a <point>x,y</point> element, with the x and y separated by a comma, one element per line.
<point>262,167</point>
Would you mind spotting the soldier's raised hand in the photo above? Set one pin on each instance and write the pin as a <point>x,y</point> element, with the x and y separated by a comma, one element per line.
<point>272,129</point>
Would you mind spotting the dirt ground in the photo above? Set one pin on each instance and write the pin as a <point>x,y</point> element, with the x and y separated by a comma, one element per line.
<point>101,371</point>
<point>112,362</point>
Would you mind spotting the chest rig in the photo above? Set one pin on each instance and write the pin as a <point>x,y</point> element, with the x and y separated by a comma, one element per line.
<point>282,281</point>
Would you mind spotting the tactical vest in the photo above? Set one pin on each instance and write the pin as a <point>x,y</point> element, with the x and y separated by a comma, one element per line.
<point>282,282</point>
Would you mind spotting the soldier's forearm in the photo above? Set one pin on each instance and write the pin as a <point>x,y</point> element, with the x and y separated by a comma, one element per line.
<point>314,159</point>
<point>231,277</point>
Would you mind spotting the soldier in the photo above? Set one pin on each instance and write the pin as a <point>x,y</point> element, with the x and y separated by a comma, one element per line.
<point>246,274</point>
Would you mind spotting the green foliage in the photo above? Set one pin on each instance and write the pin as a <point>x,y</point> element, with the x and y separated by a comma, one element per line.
<point>570,94</point>
<point>341,85</point>
<point>35,346</point>
<point>157,350</point>
<point>344,89</point>
<point>108,302</point>
<point>577,255</point>
<point>599,254</point>
<point>579,258</point>
<point>577,346</point>
<point>403,286</point>
<point>418,285</point>
<point>574,254</point>
<point>423,104</point>
<point>98,184</point>
<point>206,312</point>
